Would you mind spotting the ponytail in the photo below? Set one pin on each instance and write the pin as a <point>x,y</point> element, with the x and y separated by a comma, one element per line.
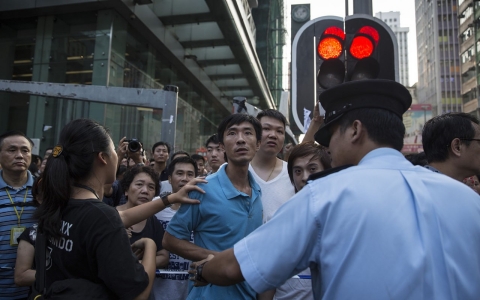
<point>71,161</point>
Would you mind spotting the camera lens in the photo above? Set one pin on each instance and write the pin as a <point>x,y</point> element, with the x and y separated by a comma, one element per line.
<point>134,145</point>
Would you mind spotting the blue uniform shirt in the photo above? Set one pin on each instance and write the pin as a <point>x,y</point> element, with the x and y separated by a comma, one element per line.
<point>8,219</point>
<point>384,229</point>
<point>223,217</point>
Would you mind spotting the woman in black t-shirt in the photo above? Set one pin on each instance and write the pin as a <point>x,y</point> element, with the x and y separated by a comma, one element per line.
<point>86,238</point>
<point>141,184</point>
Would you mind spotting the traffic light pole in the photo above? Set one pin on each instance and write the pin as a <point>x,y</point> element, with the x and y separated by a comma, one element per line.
<point>362,7</point>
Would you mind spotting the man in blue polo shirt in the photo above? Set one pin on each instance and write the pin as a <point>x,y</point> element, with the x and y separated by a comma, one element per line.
<point>16,207</point>
<point>230,208</point>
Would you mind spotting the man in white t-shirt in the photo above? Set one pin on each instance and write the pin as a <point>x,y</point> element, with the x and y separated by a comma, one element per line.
<point>269,171</point>
<point>175,286</point>
<point>271,175</point>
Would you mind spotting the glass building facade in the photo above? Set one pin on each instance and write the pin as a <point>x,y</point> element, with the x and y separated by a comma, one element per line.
<point>99,47</point>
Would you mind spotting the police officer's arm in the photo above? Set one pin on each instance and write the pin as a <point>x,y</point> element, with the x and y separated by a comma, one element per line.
<point>184,248</point>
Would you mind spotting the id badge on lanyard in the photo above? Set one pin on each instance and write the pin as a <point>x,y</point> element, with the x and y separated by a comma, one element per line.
<point>15,233</point>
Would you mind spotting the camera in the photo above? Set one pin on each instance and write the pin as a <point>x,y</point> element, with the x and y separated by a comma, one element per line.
<point>134,145</point>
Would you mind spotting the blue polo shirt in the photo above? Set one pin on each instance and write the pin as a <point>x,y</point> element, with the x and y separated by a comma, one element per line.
<point>8,219</point>
<point>223,217</point>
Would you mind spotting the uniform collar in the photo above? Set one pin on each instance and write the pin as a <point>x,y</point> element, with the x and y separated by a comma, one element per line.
<point>29,182</point>
<point>229,190</point>
<point>378,155</point>
<point>432,169</point>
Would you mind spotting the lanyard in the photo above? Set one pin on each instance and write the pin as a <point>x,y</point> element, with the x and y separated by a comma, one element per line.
<point>19,216</point>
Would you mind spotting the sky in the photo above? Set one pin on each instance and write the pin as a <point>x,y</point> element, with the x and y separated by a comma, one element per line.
<point>319,8</point>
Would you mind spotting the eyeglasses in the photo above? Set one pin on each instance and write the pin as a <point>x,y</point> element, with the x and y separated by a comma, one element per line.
<point>478,140</point>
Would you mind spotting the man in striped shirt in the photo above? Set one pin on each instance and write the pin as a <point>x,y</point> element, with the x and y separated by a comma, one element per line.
<point>16,206</point>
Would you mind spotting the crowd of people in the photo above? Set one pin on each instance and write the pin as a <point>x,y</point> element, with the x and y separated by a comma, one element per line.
<point>342,215</point>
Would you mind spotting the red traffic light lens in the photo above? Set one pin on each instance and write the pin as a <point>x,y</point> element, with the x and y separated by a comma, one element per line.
<point>371,32</point>
<point>361,47</point>
<point>329,48</point>
<point>336,31</point>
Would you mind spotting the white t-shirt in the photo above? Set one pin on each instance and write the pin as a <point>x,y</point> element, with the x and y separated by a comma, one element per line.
<point>171,287</point>
<point>275,192</point>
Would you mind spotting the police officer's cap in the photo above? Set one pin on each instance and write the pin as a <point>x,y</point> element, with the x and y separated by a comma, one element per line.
<point>372,93</point>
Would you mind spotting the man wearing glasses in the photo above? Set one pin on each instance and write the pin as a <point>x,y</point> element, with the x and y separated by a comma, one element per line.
<point>452,145</point>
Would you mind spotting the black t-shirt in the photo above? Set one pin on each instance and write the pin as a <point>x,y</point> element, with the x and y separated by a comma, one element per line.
<point>153,229</point>
<point>95,246</point>
<point>117,197</point>
<point>164,175</point>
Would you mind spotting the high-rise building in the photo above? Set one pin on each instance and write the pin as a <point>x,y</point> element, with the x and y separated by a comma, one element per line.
<point>207,48</point>
<point>468,16</point>
<point>392,19</point>
<point>439,82</point>
<point>269,19</point>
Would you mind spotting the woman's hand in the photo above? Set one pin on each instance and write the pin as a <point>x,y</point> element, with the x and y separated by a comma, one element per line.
<point>139,246</point>
<point>182,195</point>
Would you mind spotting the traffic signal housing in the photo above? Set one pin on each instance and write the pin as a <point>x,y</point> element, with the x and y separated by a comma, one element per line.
<point>371,49</point>
<point>317,63</point>
<point>328,51</point>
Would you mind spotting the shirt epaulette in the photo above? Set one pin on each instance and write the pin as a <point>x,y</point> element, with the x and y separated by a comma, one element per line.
<point>327,172</point>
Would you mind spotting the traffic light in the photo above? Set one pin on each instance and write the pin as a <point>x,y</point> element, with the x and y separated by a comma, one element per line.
<point>315,63</point>
<point>328,51</point>
<point>371,49</point>
<point>331,71</point>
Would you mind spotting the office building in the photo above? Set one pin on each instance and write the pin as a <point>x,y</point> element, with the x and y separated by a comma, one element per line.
<point>468,16</point>
<point>439,82</point>
<point>207,48</point>
<point>392,19</point>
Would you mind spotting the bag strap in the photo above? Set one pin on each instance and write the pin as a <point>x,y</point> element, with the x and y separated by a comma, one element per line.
<point>41,262</point>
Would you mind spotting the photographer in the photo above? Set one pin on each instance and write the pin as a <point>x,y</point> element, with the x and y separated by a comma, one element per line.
<point>133,151</point>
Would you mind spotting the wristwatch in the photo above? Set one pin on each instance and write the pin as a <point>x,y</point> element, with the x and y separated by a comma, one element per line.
<point>198,273</point>
<point>165,200</point>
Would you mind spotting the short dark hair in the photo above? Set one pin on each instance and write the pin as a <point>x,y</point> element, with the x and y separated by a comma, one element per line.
<point>161,144</point>
<point>236,119</point>
<point>417,159</point>
<point>178,153</point>
<point>196,157</point>
<point>14,133</point>
<point>212,139</point>
<point>383,126</point>
<point>132,172</point>
<point>439,132</point>
<point>309,148</point>
<point>182,160</point>
<point>272,113</point>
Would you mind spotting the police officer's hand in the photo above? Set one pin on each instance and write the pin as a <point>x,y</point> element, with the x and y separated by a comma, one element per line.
<point>196,269</point>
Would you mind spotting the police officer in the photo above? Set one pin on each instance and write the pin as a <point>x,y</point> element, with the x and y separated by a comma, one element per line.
<point>380,229</point>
